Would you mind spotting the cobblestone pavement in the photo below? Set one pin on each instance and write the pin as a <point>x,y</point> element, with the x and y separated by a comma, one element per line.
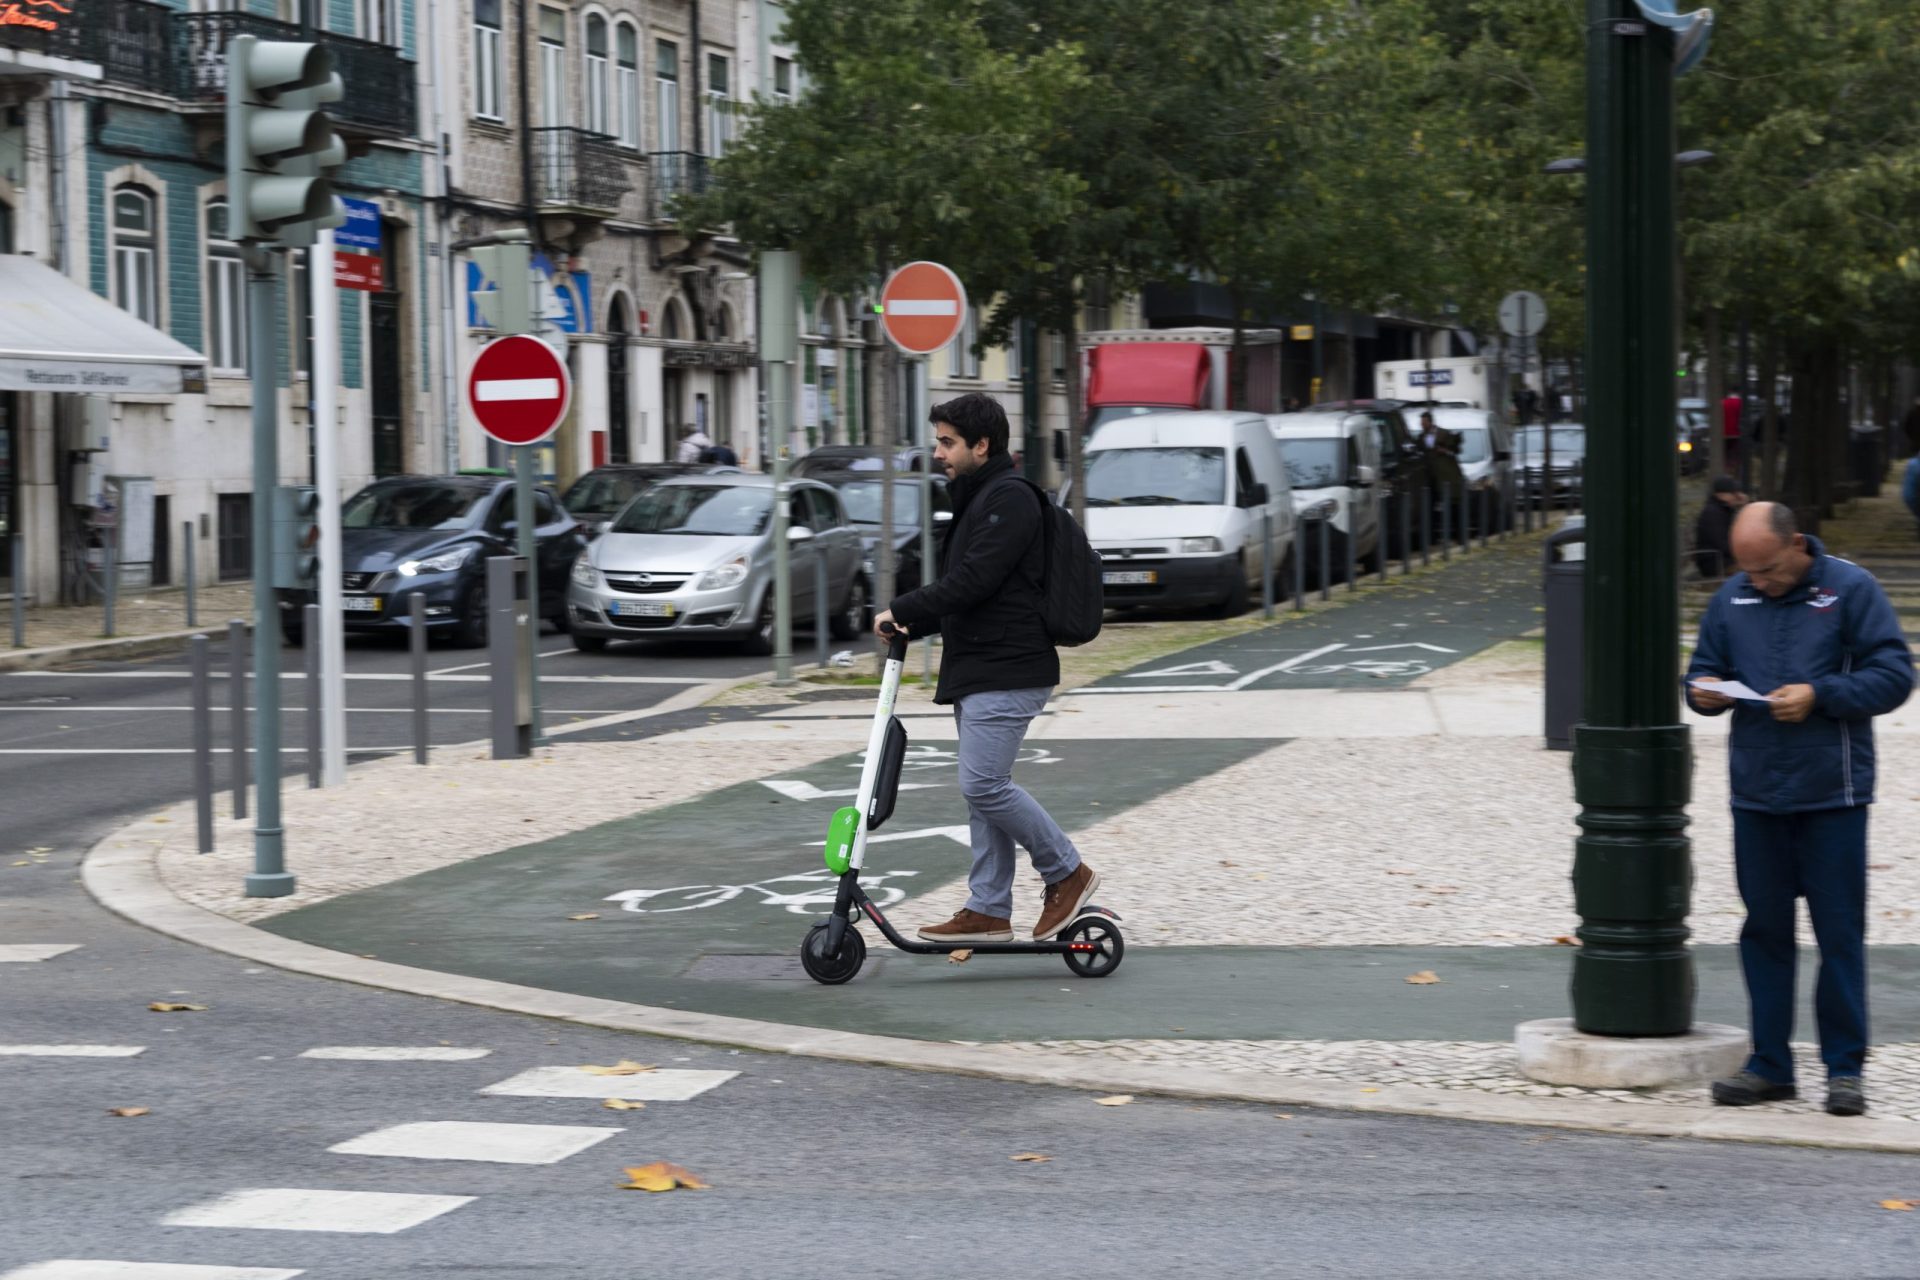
<point>138,613</point>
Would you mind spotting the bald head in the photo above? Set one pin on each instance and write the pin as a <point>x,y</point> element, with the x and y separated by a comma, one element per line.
<point>1769,548</point>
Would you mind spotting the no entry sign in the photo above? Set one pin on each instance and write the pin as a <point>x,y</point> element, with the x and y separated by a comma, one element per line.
<point>518,389</point>
<point>923,307</point>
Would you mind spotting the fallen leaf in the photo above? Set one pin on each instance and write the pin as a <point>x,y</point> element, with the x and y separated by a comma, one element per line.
<point>961,956</point>
<point>162,1006</point>
<point>1424,978</point>
<point>586,915</point>
<point>1225,863</point>
<point>128,1111</point>
<point>623,1104</point>
<point>661,1176</point>
<point>1283,1115</point>
<point>1392,871</point>
<point>1900,1206</point>
<point>1030,1157</point>
<point>1117,1100</point>
<point>621,1068</point>
<point>1369,1090</point>
<point>23,863</point>
<point>1564,941</point>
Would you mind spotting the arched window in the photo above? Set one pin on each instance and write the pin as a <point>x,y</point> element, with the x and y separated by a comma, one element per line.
<point>226,293</point>
<point>670,322</point>
<point>596,73</point>
<point>136,252</point>
<point>626,85</point>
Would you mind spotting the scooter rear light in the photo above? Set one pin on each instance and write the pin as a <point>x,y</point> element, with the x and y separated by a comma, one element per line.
<point>1081,946</point>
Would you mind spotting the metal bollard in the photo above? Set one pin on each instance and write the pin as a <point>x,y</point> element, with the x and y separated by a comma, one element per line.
<point>1486,517</point>
<point>1266,563</point>
<point>1299,554</point>
<point>200,659</point>
<point>509,650</point>
<point>1426,525</point>
<point>110,577</point>
<point>1380,549</point>
<point>820,609</point>
<point>1446,528</point>
<point>1326,555</point>
<point>1353,568</point>
<point>1466,519</point>
<point>237,714</point>
<point>310,638</point>
<point>417,651</point>
<point>1406,532</point>
<point>192,574</point>
<point>18,552</point>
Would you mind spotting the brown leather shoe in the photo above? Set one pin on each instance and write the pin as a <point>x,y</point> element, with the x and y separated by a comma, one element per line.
<point>1064,900</point>
<point>969,926</point>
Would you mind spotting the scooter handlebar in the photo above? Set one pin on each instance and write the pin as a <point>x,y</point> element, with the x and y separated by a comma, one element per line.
<point>897,641</point>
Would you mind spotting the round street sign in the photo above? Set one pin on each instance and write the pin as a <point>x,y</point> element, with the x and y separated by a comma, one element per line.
<point>1523,313</point>
<point>518,389</point>
<point>923,307</point>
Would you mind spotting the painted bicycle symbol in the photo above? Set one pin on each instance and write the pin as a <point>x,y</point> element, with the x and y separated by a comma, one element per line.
<point>1377,667</point>
<point>804,895</point>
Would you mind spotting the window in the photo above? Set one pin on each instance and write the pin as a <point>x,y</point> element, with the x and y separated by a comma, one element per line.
<point>486,59</point>
<point>783,79</point>
<point>1242,474</point>
<point>136,261</point>
<point>226,296</point>
<point>300,299</point>
<point>596,74</point>
<point>236,535</point>
<point>719,106</point>
<point>627,86</point>
<point>1059,348</point>
<point>666,80</point>
<point>378,21</point>
<point>966,364</point>
<point>553,67</point>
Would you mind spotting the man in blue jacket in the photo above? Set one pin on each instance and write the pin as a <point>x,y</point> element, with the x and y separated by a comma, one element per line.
<point>1818,638</point>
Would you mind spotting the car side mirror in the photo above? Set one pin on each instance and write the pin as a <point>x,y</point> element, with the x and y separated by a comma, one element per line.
<point>1254,495</point>
<point>509,528</point>
<point>799,533</point>
<point>1363,477</point>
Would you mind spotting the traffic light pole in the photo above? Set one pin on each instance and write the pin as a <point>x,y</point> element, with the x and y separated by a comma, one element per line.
<point>326,482</point>
<point>270,878</point>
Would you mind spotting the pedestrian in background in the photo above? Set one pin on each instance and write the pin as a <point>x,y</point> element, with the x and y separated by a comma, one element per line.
<point>1713,530</point>
<point>997,668</point>
<point>692,441</point>
<point>1730,415</point>
<point>1818,637</point>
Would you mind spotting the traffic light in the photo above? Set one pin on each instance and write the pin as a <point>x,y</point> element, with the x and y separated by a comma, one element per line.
<point>507,307</point>
<point>281,148</point>
<point>296,537</point>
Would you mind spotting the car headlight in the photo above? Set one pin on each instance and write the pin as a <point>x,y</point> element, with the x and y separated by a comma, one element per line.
<point>1321,510</point>
<point>445,562</point>
<point>584,573</point>
<point>1200,546</point>
<point>1686,446</point>
<point>730,574</point>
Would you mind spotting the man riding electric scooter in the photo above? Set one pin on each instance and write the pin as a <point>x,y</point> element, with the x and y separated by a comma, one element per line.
<point>997,669</point>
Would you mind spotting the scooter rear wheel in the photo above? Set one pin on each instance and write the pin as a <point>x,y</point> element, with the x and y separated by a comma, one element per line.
<point>1097,946</point>
<point>828,969</point>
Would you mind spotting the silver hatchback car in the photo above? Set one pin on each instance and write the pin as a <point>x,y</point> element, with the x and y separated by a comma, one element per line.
<point>692,558</point>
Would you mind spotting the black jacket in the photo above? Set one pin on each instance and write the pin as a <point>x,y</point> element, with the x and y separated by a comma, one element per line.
<point>1713,540</point>
<point>986,601</point>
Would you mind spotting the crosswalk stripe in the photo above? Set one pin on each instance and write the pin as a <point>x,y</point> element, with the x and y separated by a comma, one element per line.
<point>306,1209</point>
<point>71,1050</point>
<point>30,952</point>
<point>575,1082</point>
<point>102,1269</point>
<point>465,1140</point>
<point>394,1053</point>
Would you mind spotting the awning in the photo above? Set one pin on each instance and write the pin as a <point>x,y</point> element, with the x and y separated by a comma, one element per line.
<point>57,336</point>
<point>1165,374</point>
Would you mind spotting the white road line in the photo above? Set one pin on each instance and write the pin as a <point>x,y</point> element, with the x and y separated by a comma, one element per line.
<point>71,1050</point>
<point>462,1140</point>
<point>30,952</point>
<point>352,711</point>
<point>670,1085</point>
<point>172,751</point>
<point>384,676</point>
<point>101,1269</point>
<point>568,652</point>
<point>300,1209</point>
<point>794,789</point>
<point>394,1053</point>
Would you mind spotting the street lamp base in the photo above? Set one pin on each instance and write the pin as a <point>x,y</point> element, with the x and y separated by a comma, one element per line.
<point>1552,1051</point>
<point>269,884</point>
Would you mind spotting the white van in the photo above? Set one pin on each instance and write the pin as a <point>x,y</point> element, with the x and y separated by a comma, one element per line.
<point>1333,466</point>
<point>1174,506</point>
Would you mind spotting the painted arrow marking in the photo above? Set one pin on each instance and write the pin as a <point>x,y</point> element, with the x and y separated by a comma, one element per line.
<point>1431,648</point>
<point>1210,668</point>
<point>794,789</point>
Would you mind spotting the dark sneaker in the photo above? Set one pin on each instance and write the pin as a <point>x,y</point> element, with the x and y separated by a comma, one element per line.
<point>1064,900</point>
<point>1749,1087</point>
<point>1846,1097</point>
<point>969,926</point>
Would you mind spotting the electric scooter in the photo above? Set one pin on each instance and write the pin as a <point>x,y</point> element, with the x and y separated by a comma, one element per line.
<point>834,950</point>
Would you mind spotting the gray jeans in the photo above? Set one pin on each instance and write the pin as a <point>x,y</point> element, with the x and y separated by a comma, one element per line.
<point>992,726</point>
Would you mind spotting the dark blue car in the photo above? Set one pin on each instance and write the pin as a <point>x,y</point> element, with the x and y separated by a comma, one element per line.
<point>434,535</point>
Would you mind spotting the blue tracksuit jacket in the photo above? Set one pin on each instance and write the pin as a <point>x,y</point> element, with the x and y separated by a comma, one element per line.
<point>1835,631</point>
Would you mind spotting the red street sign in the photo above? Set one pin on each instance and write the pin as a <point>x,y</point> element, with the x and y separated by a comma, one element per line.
<point>364,271</point>
<point>923,307</point>
<point>518,389</point>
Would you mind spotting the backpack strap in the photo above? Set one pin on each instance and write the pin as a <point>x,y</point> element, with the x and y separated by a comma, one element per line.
<point>1046,530</point>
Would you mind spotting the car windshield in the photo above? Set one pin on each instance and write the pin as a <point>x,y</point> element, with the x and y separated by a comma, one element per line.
<point>711,511</point>
<point>1473,444</point>
<point>412,504</point>
<point>1531,442</point>
<point>1172,477</point>
<point>1316,462</point>
<point>604,491</point>
<point>862,500</point>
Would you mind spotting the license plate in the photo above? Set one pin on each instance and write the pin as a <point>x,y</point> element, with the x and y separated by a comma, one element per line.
<point>361,604</point>
<point>643,608</point>
<point>1131,578</point>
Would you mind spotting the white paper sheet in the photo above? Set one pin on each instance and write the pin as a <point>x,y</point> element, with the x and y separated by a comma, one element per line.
<point>1732,689</point>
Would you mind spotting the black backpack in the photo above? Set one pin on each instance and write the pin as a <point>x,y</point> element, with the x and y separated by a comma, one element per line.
<point>1072,597</point>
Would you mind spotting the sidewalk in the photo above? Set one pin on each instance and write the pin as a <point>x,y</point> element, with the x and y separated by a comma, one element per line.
<point>149,621</point>
<point>1281,874</point>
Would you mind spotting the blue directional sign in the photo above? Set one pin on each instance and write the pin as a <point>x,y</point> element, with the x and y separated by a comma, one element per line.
<point>361,231</point>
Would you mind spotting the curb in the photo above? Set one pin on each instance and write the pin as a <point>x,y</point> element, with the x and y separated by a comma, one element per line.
<point>130,647</point>
<point>119,873</point>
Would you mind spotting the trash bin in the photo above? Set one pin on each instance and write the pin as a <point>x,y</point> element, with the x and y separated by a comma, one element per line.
<point>1565,584</point>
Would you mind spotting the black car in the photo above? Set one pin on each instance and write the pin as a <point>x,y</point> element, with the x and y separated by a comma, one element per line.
<point>434,535</point>
<point>865,458</point>
<point>1405,468</point>
<point>861,492</point>
<point>599,495</point>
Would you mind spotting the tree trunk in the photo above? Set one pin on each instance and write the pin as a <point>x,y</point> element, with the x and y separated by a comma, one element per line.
<point>1716,392</point>
<point>1769,486</point>
<point>1838,428</point>
<point>1076,452</point>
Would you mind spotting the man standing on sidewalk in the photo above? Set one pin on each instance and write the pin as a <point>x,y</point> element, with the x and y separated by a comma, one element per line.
<point>1818,637</point>
<point>997,669</point>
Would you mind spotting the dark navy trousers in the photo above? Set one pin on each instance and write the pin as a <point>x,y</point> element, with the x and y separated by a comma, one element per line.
<point>1822,857</point>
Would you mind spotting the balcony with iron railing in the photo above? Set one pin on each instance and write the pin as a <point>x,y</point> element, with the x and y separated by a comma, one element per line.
<point>126,39</point>
<point>379,82</point>
<point>674,174</point>
<point>579,171</point>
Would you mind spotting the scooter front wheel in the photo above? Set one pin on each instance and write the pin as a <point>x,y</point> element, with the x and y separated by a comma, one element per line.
<point>829,969</point>
<point>1094,946</point>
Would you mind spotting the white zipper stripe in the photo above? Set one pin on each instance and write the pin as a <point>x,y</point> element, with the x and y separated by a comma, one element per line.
<point>1846,737</point>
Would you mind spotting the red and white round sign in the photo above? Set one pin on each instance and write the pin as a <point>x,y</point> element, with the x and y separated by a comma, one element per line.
<point>923,307</point>
<point>518,389</point>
